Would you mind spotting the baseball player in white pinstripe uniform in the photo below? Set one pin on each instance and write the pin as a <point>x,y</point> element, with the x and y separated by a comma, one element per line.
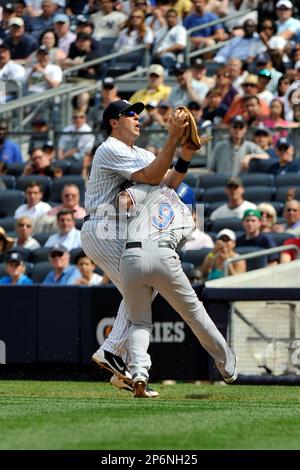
<point>116,161</point>
<point>158,222</point>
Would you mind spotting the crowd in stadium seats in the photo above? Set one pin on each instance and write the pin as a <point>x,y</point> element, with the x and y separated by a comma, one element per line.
<point>245,93</point>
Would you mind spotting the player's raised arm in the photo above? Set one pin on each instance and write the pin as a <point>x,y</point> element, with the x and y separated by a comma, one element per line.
<point>156,171</point>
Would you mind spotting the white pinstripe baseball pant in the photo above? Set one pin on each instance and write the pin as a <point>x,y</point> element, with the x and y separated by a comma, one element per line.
<point>106,253</point>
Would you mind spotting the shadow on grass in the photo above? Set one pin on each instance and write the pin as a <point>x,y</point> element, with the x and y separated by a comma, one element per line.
<point>198,396</point>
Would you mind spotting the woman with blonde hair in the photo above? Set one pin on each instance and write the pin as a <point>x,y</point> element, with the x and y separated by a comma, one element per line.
<point>268,216</point>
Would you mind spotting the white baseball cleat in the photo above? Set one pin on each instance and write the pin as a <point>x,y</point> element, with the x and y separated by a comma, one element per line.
<point>232,378</point>
<point>140,388</point>
<point>122,385</point>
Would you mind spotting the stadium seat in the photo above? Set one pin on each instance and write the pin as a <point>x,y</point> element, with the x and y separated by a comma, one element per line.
<point>40,254</point>
<point>258,179</point>
<point>254,263</point>
<point>58,184</point>
<point>281,193</point>
<point>10,199</point>
<point>8,223</point>
<point>212,67</point>
<point>15,169</point>
<point>106,45</point>
<point>78,223</point>
<point>191,179</point>
<point>215,194</point>
<point>196,257</point>
<point>75,168</point>
<point>288,179</point>
<point>261,166</point>
<point>212,180</point>
<point>9,181</point>
<point>40,271</point>
<point>280,237</point>
<point>278,206</point>
<point>42,237</point>
<point>126,63</point>
<point>210,207</point>
<point>199,193</point>
<point>44,181</point>
<point>74,253</point>
<point>233,223</point>
<point>187,268</point>
<point>259,193</point>
<point>23,251</point>
<point>63,164</point>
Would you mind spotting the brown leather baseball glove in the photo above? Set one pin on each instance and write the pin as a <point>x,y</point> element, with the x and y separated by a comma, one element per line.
<point>191,135</point>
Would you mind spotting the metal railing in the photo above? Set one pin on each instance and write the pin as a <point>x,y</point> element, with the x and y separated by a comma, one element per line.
<point>188,54</point>
<point>108,58</point>
<point>257,254</point>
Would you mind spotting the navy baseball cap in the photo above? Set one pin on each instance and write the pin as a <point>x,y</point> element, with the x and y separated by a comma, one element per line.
<point>180,68</point>
<point>263,58</point>
<point>14,257</point>
<point>115,109</point>
<point>238,120</point>
<point>283,142</point>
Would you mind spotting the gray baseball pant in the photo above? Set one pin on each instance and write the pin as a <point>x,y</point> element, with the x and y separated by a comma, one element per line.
<point>144,269</point>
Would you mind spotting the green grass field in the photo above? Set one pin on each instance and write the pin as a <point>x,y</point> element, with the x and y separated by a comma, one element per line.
<point>89,415</point>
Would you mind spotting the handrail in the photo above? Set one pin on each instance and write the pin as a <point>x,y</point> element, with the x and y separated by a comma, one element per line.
<point>187,53</point>
<point>222,19</point>
<point>257,254</point>
<point>105,58</point>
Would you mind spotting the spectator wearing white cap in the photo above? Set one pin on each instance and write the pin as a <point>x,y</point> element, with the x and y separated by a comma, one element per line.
<point>156,90</point>
<point>287,25</point>
<point>61,24</point>
<point>43,75</point>
<point>213,264</point>
<point>20,44</point>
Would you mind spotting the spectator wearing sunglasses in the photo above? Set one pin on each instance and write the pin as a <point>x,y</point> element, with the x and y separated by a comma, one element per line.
<point>291,213</point>
<point>62,274</point>
<point>24,239</point>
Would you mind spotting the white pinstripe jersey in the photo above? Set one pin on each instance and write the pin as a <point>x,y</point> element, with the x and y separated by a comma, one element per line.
<point>158,214</point>
<point>113,164</point>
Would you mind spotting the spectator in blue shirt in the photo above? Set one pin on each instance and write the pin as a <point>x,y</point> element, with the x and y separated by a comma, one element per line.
<point>205,37</point>
<point>285,164</point>
<point>15,269</point>
<point>63,274</point>
<point>9,151</point>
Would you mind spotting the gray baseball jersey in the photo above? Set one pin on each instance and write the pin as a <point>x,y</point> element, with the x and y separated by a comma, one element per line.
<point>161,217</point>
<point>113,164</point>
<point>158,214</point>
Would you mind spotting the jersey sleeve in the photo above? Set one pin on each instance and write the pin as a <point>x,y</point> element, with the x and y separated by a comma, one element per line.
<point>138,193</point>
<point>121,159</point>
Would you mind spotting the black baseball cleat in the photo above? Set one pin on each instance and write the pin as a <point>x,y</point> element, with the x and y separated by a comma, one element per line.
<point>114,364</point>
<point>122,385</point>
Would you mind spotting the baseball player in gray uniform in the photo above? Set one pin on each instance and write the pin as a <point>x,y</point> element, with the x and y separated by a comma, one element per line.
<point>158,222</point>
<point>116,161</point>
